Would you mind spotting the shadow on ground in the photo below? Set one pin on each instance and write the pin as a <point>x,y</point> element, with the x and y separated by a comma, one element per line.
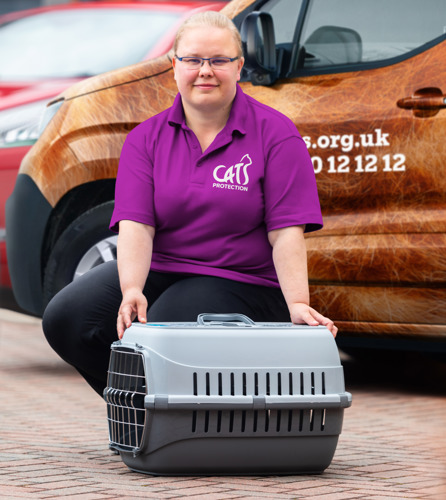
<point>7,301</point>
<point>409,372</point>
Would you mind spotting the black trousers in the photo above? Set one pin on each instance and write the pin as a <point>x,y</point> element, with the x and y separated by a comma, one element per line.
<point>80,321</point>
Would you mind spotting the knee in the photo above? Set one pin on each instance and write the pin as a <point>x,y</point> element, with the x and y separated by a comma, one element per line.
<point>56,322</point>
<point>83,314</point>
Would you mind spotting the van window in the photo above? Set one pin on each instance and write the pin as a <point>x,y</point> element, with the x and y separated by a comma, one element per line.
<point>362,31</point>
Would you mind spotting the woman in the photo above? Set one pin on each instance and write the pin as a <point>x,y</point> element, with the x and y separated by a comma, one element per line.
<point>213,197</point>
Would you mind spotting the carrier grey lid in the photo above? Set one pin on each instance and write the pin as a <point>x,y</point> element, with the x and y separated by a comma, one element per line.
<point>237,343</point>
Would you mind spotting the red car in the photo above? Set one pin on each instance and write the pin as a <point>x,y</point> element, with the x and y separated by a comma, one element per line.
<point>50,48</point>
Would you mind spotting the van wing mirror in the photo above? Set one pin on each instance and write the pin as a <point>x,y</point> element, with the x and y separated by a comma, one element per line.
<point>259,48</point>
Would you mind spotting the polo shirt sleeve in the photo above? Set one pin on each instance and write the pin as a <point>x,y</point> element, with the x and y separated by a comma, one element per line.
<point>290,189</point>
<point>134,183</point>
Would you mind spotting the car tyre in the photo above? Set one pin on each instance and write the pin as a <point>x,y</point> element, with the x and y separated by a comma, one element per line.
<point>85,243</point>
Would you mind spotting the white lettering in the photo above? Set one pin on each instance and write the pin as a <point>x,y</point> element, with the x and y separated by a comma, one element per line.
<point>381,139</point>
<point>216,169</point>
<point>347,142</point>
<point>317,164</point>
<point>245,168</point>
<point>359,164</point>
<point>229,175</point>
<point>323,141</point>
<point>367,140</point>
<point>307,141</point>
<point>334,141</point>
<point>236,174</point>
<point>232,187</point>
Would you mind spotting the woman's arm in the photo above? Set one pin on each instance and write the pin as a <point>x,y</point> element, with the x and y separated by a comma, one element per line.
<point>135,243</point>
<point>290,262</point>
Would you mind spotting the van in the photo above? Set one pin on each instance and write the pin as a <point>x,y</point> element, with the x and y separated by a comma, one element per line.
<point>366,92</point>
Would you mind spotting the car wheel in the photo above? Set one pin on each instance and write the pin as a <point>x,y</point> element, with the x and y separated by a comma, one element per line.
<point>85,243</point>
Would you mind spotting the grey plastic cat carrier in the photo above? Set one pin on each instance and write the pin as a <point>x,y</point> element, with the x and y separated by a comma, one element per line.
<point>225,395</point>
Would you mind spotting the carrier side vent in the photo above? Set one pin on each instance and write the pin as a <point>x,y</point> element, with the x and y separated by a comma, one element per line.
<point>258,421</point>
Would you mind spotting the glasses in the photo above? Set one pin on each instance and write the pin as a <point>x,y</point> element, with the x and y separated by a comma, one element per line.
<point>214,62</point>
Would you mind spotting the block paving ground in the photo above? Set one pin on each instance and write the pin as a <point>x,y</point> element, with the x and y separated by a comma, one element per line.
<point>54,439</point>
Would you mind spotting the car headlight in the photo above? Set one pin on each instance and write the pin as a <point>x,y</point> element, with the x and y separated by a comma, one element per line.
<point>22,125</point>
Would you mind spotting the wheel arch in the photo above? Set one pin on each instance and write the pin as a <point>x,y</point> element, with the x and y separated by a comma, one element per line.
<point>71,206</point>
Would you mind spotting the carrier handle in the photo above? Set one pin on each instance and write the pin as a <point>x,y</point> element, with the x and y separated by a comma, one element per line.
<point>224,318</point>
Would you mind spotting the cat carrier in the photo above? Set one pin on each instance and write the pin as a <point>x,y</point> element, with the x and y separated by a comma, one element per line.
<point>225,395</point>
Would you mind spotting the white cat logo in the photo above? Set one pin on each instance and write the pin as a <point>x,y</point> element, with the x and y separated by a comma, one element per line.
<point>237,173</point>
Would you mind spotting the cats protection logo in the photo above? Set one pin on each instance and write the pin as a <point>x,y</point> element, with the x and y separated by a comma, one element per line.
<point>234,177</point>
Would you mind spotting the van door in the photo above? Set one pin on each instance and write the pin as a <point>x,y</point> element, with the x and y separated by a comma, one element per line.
<point>365,83</point>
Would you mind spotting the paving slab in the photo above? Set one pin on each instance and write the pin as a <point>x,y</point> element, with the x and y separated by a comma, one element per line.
<point>54,438</point>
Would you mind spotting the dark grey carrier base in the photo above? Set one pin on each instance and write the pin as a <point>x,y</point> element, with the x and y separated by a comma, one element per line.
<point>238,456</point>
<point>225,398</point>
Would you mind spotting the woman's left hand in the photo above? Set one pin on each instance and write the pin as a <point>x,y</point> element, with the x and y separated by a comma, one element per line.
<point>302,313</point>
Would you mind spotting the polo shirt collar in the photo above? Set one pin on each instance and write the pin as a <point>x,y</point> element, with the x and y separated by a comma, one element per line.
<point>237,116</point>
<point>176,113</point>
<point>236,120</point>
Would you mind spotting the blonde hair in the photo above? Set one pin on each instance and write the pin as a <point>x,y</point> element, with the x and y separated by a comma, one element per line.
<point>212,19</point>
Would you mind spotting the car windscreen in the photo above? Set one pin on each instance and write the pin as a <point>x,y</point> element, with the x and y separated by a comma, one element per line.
<point>79,43</point>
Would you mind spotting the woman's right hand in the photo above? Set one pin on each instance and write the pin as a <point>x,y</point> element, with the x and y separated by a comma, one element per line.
<point>135,241</point>
<point>134,304</point>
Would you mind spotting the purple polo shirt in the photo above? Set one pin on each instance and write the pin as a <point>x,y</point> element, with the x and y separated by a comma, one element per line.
<point>212,210</point>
